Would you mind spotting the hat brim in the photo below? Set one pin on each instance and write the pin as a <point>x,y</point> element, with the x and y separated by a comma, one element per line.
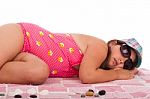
<point>139,59</point>
<point>138,56</point>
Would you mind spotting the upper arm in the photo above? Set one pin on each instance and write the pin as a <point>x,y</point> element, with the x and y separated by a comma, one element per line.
<point>95,54</point>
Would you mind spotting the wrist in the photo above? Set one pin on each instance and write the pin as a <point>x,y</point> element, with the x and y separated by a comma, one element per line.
<point>116,74</point>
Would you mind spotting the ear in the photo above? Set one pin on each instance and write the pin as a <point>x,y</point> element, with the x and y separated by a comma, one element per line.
<point>112,43</point>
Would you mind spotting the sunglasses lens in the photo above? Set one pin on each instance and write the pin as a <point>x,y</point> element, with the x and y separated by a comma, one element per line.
<point>125,50</point>
<point>128,64</point>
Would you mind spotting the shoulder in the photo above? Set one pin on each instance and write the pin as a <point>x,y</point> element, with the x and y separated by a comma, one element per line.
<point>10,27</point>
<point>94,55</point>
<point>98,47</point>
<point>94,43</point>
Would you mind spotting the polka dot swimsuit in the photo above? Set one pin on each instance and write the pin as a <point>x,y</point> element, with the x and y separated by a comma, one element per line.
<point>58,50</point>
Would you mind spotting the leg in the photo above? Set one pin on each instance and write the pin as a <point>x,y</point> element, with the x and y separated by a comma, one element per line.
<point>11,42</point>
<point>24,69</point>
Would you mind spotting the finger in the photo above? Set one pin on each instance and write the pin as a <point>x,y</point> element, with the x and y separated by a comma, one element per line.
<point>117,68</point>
<point>131,76</point>
<point>135,71</point>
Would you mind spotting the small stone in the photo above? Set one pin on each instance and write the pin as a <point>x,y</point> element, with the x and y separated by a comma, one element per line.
<point>2,94</point>
<point>82,95</point>
<point>88,93</point>
<point>102,92</point>
<point>90,90</point>
<point>17,96</point>
<point>33,96</point>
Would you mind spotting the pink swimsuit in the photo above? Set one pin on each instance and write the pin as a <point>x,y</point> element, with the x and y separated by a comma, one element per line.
<point>58,50</point>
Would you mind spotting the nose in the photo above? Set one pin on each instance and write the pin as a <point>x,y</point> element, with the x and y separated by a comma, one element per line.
<point>120,61</point>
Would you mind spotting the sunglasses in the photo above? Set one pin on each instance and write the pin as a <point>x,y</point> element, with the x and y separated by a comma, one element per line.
<point>126,52</point>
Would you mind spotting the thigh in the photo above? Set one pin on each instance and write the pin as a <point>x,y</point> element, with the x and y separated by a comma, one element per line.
<point>29,57</point>
<point>34,65</point>
<point>32,59</point>
<point>25,68</point>
<point>11,42</point>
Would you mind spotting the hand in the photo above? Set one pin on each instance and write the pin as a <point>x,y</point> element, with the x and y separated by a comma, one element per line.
<point>123,74</point>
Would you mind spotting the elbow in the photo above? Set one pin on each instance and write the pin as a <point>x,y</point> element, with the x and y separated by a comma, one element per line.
<point>86,80</point>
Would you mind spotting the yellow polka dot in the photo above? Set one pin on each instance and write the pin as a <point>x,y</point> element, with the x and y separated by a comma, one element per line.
<point>71,50</point>
<point>50,53</point>
<point>41,33</point>
<point>61,45</point>
<point>28,34</point>
<point>51,35</point>
<point>60,59</point>
<point>38,43</point>
<point>54,72</point>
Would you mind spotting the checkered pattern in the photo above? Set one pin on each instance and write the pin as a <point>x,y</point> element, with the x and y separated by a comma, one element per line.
<point>72,88</point>
<point>132,42</point>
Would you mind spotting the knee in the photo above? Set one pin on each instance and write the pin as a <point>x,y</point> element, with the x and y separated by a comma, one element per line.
<point>38,75</point>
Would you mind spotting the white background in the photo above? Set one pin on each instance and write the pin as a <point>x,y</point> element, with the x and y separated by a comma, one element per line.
<point>105,19</point>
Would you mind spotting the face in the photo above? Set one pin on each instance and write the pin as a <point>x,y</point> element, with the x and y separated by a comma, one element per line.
<point>116,59</point>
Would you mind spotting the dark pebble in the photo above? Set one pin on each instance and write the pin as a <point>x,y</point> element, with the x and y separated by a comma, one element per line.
<point>2,94</point>
<point>33,96</point>
<point>82,95</point>
<point>102,92</point>
<point>17,96</point>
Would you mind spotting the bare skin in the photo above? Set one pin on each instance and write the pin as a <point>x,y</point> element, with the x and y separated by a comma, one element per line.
<point>17,67</point>
<point>25,68</point>
<point>95,51</point>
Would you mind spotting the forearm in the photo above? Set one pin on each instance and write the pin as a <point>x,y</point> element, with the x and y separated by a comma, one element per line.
<point>99,76</point>
<point>104,75</point>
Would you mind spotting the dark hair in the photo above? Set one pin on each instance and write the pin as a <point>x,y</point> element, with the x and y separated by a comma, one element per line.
<point>105,62</point>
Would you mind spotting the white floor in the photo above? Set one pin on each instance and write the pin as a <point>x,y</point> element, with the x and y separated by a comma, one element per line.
<point>106,19</point>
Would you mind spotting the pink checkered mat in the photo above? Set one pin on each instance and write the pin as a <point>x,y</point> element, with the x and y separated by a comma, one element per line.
<point>72,88</point>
